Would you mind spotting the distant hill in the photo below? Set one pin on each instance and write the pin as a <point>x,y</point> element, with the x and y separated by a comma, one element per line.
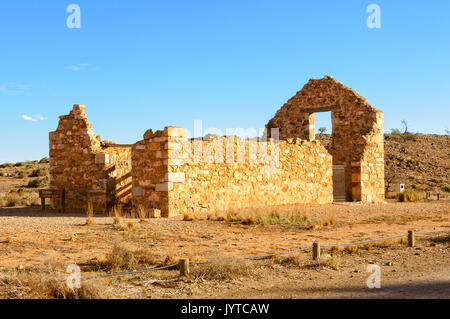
<point>417,160</point>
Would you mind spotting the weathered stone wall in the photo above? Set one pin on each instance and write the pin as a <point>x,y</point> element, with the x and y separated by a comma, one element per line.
<point>178,176</point>
<point>150,159</point>
<point>168,172</point>
<point>357,133</point>
<point>85,167</point>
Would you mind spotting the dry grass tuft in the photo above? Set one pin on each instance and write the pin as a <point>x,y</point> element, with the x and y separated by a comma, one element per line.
<point>293,260</point>
<point>47,281</point>
<point>334,251</point>
<point>332,262</point>
<point>117,213</point>
<point>170,260</point>
<point>142,214</point>
<point>90,214</point>
<point>225,270</point>
<point>89,222</point>
<point>409,195</point>
<point>123,258</point>
<point>330,219</point>
<point>131,225</point>
<point>350,249</point>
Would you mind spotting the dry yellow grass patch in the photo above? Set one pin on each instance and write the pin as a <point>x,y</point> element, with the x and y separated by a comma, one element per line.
<point>122,257</point>
<point>350,249</point>
<point>225,270</point>
<point>142,214</point>
<point>48,281</point>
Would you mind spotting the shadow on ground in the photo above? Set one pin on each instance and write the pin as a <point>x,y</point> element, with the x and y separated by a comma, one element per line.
<point>35,211</point>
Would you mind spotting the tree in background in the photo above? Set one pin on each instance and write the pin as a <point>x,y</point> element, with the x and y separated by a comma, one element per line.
<point>405,126</point>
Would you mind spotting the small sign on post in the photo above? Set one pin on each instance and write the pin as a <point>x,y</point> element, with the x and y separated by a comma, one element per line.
<point>399,188</point>
<point>53,193</point>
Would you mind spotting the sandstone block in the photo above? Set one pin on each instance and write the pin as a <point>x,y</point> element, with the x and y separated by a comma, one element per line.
<point>176,177</point>
<point>101,158</point>
<point>164,187</point>
<point>155,213</point>
<point>175,131</point>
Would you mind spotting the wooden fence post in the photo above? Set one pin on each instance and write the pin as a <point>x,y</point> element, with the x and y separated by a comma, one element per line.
<point>316,251</point>
<point>43,204</point>
<point>184,266</point>
<point>411,239</point>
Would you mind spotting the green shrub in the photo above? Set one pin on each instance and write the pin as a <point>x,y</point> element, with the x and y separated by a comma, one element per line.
<point>446,188</point>
<point>395,131</point>
<point>22,174</point>
<point>39,172</point>
<point>26,163</point>
<point>5,165</point>
<point>409,195</point>
<point>44,160</point>
<point>39,182</point>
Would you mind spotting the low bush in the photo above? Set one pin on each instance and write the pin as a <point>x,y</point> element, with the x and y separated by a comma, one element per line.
<point>39,182</point>
<point>124,258</point>
<point>409,195</point>
<point>44,160</point>
<point>47,281</point>
<point>22,174</point>
<point>225,270</point>
<point>39,172</point>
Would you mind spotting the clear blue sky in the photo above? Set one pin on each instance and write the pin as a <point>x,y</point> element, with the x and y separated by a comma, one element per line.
<point>148,64</point>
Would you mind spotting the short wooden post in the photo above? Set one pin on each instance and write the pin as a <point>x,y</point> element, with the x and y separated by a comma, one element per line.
<point>184,266</point>
<point>427,196</point>
<point>43,203</point>
<point>411,239</point>
<point>438,196</point>
<point>316,251</point>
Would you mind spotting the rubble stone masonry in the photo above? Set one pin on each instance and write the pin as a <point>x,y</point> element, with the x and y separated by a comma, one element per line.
<point>87,168</point>
<point>175,175</point>
<point>357,134</point>
<point>178,176</point>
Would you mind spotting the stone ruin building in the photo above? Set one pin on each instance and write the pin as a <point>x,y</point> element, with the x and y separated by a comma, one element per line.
<point>169,174</point>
